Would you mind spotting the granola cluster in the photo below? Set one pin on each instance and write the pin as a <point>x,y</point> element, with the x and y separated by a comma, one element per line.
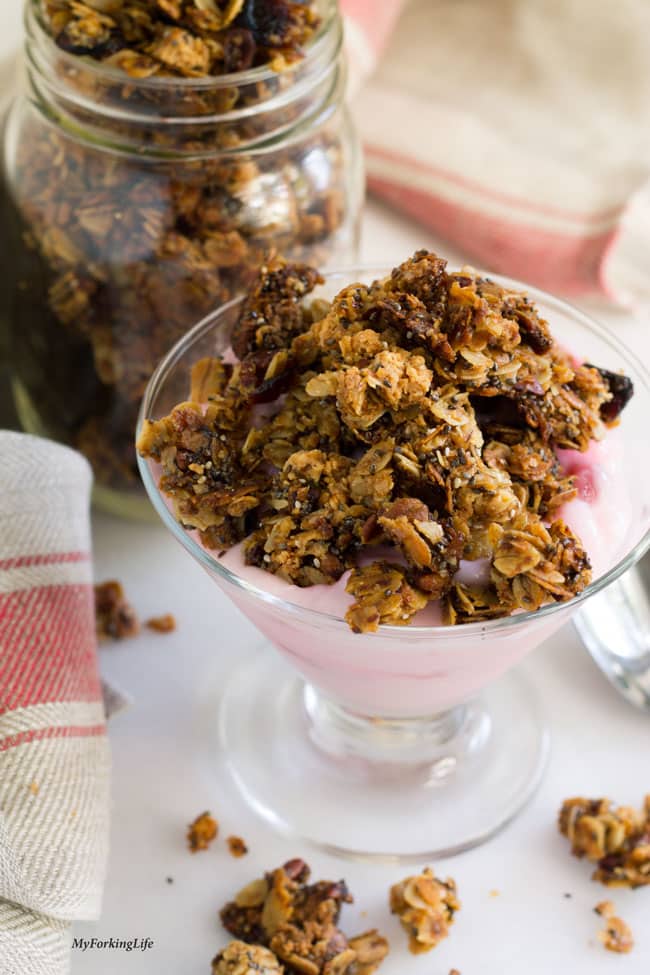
<point>202,832</point>
<point>416,418</point>
<point>425,907</point>
<point>183,38</point>
<point>141,209</point>
<point>115,617</point>
<point>298,922</point>
<point>616,839</point>
<point>616,935</point>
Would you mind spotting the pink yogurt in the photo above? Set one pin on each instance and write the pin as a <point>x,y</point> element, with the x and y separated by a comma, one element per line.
<point>425,668</point>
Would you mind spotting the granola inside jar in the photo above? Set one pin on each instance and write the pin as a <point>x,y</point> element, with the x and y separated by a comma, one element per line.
<point>139,193</point>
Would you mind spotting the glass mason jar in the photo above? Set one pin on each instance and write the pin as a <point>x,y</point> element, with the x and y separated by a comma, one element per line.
<point>132,207</point>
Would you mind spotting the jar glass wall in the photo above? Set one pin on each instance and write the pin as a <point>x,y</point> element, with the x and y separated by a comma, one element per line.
<point>133,207</point>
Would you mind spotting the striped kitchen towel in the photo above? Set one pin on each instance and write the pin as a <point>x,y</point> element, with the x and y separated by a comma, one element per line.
<point>517,130</point>
<point>54,760</point>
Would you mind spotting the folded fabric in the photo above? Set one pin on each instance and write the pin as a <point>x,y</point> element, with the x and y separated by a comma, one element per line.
<point>54,760</point>
<point>515,130</point>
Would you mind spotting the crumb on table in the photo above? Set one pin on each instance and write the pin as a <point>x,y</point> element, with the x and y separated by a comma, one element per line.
<point>616,935</point>
<point>237,846</point>
<point>202,832</point>
<point>162,624</point>
<point>115,617</point>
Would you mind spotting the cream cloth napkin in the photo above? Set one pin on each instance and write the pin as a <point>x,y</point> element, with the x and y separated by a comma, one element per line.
<point>54,758</point>
<point>518,130</point>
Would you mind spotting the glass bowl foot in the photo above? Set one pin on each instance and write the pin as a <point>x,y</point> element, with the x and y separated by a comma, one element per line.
<point>379,788</point>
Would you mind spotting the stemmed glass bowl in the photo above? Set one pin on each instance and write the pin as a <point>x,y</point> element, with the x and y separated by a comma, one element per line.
<point>415,741</point>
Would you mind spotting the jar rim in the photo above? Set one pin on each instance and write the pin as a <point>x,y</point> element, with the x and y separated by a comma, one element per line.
<point>34,22</point>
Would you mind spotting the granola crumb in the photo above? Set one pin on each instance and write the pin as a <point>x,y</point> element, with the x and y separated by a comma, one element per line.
<point>298,922</point>
<point>617,935</point>
<point>34,788</point>
<point>162,624</point>
<point>494,893</point>
<point>202,832</point>
<point>425,907</point>
<point>115,617</point>
<point>239,958</point>
<point>454,971</point>
<point>236,846</point>
<point>616,839</point>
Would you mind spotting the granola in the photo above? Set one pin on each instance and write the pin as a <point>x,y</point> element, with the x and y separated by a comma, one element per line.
<point>236,846</point>
<point>202,832</point>
<point>298,921</point>
<point>184,38</point>
<point>146,210</point>
<point>239,958</point>
<point>425,907</point>
<point>115,617</point>
<point>616,839</point>
<point>418,417</point>
<point>162,624</point>
<point>616,935</point>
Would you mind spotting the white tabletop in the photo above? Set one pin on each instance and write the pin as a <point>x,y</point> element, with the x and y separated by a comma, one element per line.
<point>165,773</point>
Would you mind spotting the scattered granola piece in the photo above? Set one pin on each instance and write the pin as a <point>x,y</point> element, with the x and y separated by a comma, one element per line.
<point>382,596</point>
<point>616,839</point>
<point>617,935</point>
<point>162,624</point>
<point>298,921</point>
<point>237,846</point>
<point>239,958</point>
<point>34,788</point>
<point>421,413</point>
<point>425,907</point>
<point>114,615</point>
<point>202,832</point>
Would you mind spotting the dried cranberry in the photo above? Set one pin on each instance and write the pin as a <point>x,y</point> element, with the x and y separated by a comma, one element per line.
<point>622,390</point>
<point>238,50</point>
<point>268,20</point>
<point>255,387</point>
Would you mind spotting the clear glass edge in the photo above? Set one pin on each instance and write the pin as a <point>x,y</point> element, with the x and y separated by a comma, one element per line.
<point>213,565</point>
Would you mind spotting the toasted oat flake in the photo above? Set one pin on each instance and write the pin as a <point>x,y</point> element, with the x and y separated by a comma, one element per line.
<point>239,958</point>
<point>421,413</point>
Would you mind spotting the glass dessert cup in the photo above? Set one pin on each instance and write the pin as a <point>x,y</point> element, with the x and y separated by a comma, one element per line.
<point>412,742</point>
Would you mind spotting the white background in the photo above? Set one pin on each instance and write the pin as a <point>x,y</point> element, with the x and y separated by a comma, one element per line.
<point>165,772</point>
